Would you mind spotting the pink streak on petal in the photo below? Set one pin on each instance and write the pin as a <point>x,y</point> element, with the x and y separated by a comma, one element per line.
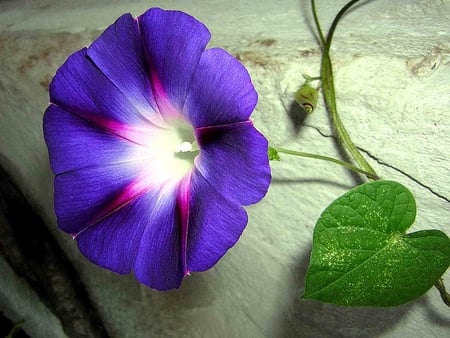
<point>183,199</point>
<point>135,189</point>
<point>130,133</point>
<point>166,109</point>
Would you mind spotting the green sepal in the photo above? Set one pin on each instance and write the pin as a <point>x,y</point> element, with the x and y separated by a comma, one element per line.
<point>273,154</point>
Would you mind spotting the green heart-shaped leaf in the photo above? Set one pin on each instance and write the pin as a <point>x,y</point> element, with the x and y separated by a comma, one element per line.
<point>362,256</point>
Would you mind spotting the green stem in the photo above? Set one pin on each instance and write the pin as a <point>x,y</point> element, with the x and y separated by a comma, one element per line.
<point>326,73</point>
<point>329,159</point>
<point>15,328</point>
<point>335,23</point>
<point>444,294</point>
<point>316,21</point>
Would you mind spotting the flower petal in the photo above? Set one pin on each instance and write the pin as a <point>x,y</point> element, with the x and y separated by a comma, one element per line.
<point>84,196</point>
<point>75,143</point>
<point>221,91</point>
<point>81,88</point>
<point>132,202</point>
<point>119,54</point>
<point>215,224</point>
<point>233,159</point>
<point>144,236</point>
<point>174,42</point>
<point>158,263</point>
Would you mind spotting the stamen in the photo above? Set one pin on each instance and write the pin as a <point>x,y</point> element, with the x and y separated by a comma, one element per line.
<point>184,147</point>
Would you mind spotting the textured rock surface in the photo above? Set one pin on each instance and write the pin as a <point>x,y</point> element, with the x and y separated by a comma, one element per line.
<point>392,65</point>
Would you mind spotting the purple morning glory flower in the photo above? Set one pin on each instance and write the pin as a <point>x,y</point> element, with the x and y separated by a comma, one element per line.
<point>152,148</point>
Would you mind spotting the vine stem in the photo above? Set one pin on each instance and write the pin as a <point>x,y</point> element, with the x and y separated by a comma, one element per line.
<point>444,294</point>
<point>15,328</point>
<point>326,74</point>
<point>329,159</point>
<point>317,23</point>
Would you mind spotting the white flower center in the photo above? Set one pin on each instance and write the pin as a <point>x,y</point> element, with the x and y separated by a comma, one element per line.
<point>170,152</point>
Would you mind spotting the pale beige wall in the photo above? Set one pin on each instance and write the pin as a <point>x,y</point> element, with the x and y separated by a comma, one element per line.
<point>392,65</point>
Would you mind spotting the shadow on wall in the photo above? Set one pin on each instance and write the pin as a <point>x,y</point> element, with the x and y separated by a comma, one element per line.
<point>35,256</point>
<point>297,115</point>
<point>304,318</point>
<point>432,315</point>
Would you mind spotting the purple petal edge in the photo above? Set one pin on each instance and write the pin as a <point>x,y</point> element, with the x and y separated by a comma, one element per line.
<point>221,91</point>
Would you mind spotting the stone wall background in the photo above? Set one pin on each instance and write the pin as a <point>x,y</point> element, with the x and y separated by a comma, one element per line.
<point>392,67</point>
